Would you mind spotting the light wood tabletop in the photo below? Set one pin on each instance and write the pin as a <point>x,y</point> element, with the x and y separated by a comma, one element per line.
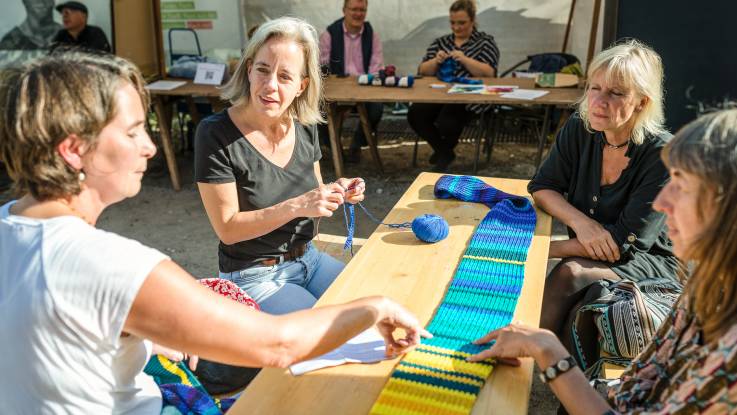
<point>416,274</point>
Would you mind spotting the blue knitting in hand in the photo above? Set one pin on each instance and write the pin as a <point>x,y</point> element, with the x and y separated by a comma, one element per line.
<point>447,70</point>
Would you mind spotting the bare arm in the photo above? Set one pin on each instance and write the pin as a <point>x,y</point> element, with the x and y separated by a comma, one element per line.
<point>232,226</point>
<point>592,239</point>
<point>519,341</point>
<point>171,309</point>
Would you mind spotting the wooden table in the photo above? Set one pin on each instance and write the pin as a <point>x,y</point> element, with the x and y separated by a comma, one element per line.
<point>394,263</point>
<point>162,100</point>
<point>346,90</point>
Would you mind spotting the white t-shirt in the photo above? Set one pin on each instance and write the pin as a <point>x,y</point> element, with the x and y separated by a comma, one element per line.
<point>65,292</point>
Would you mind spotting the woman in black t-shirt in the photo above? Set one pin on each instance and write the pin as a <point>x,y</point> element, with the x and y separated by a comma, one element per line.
<point>258,173</point>
<point>601,178</point>
<point>476,54</point>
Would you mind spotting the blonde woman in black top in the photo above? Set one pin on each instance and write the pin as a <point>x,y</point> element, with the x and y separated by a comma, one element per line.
<point>601,178</point>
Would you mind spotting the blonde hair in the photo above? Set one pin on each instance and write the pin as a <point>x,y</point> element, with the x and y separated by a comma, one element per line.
<point>46,101</point>
<point>635,67</point>
<point>305,107</point>
<point>707,148</point>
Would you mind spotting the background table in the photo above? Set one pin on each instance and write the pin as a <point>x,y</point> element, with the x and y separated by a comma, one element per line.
<point>162,103</point>
<point>394,263</point>
<point>347,90</point>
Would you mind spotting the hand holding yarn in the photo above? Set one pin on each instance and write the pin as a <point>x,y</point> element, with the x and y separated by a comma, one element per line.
<point>355,189</point>
<point>318,202</point>
<point>441,56</point>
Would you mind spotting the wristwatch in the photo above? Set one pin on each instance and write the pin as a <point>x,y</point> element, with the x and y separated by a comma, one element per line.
<point>558,368</point>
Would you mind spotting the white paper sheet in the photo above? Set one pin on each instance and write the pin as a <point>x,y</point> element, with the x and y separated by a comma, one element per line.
<point>528,94</point>
<point>367,347</point>
<point>165,85</point>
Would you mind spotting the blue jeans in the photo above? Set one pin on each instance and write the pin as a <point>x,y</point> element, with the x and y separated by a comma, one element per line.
<point>291,285</point>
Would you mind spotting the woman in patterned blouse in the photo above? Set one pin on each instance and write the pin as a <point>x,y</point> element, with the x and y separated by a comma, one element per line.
<point>691,364</point>
<point>475,54</point>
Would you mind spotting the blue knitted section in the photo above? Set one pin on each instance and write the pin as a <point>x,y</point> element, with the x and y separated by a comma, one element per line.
<point>482,296</point>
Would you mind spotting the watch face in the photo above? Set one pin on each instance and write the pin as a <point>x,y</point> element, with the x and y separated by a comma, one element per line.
<point>550,372</point>
<point>563,365</point>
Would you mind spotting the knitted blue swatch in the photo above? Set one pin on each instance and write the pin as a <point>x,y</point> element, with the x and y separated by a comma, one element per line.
<point>447,70</point>
<point>435,378</point>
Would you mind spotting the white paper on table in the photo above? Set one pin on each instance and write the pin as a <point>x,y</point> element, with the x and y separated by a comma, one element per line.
<point>367,347</point>
<point>528,94</point>
<point>165,85</point>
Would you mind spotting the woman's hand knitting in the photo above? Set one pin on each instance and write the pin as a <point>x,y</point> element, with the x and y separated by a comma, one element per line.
<point>354,189</point>
<point>319,202</point>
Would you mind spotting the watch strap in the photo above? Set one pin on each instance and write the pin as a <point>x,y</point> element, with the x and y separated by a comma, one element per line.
<point>558,368</point>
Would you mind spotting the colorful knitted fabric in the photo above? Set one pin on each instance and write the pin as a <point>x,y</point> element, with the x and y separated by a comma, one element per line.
<point>435,378</point>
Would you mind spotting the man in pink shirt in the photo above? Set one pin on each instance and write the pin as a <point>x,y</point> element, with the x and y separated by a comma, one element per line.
<point>350,46</point>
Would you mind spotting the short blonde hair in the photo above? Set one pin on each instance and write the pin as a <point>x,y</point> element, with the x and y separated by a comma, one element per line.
<point>636,67</point>
<point>306,107</point>
<point>49,99</point>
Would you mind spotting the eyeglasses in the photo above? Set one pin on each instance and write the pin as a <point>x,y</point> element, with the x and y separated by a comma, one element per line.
<point>357,9</point>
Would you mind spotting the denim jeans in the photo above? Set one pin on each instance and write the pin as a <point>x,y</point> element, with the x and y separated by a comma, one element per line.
<point>291,285</point>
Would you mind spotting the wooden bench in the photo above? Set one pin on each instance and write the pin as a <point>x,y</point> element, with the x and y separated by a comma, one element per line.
<point>333,245</point>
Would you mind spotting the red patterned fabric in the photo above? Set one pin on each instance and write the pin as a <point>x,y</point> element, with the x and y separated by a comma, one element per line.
<point>229,289</point>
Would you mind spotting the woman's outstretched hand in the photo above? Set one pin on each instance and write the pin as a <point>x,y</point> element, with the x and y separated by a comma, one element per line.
<point>517,340</point>
<point>398,317</point>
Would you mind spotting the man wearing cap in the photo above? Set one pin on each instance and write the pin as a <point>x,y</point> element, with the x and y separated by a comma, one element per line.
<point>77,33</point>
<point>350,46</point>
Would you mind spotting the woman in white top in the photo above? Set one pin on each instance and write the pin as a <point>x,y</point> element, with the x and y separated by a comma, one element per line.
<point>76,303</point>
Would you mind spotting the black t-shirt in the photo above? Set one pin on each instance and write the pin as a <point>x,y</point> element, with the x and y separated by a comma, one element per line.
<point>624,208</point>
<point>91,38</point>
<point>224,155</point>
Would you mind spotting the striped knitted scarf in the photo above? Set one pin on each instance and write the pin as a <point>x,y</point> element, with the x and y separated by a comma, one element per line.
<point>435,378</point>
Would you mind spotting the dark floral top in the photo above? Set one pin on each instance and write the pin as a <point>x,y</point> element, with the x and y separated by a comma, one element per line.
<point>678,374</point>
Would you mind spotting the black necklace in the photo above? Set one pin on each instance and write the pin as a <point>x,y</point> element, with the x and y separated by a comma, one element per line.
<point>613,146</point>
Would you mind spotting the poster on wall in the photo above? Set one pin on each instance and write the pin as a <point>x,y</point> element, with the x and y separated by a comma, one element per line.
<point>195,30</point>
<point>27,27</point>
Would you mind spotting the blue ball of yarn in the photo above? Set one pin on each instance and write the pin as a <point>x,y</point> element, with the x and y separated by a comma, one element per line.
<point>430,228</point>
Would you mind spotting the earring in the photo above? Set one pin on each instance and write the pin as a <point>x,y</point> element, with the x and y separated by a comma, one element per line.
<point>82,176</point>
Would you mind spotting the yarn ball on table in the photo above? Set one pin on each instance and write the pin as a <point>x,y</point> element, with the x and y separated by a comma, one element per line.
<point>430,228</point>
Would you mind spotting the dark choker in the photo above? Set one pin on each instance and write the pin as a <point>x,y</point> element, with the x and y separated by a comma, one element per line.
<point>615,147</point>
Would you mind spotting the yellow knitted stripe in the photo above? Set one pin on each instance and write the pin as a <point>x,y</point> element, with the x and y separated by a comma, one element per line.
<point>445,376</point>
<point>397,403</point>
<point>174,369</point>
<point>504,261</point>
<point>460,354</point>
<point>448,364</point>
<point>409,390</point>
